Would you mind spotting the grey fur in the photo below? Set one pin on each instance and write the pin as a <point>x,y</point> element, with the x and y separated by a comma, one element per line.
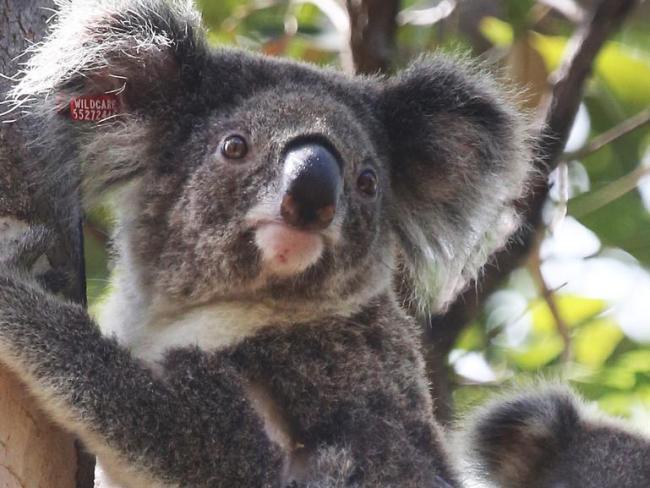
<point>337,356</point>
<point>548,439</point>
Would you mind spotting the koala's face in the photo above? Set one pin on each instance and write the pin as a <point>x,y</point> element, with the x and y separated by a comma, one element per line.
<point>252,177</point>
<point>283,193</point>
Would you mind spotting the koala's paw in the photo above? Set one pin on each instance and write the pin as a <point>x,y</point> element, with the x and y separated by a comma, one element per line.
<point>23,250</point>
<point>21,244</point>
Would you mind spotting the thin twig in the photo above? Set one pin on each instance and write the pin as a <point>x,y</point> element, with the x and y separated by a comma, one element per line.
<point>549,297</point>
<point>607,194</point>
<point>609,136</point>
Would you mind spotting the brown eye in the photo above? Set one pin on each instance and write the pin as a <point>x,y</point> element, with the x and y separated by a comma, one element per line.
<point>234,147</point>
<point>367,182</point>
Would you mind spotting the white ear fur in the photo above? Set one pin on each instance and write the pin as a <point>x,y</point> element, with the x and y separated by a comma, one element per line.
<point>85,35</point>
<point>463,158</point>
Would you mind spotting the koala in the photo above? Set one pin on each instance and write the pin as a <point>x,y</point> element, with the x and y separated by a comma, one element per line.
<point>548,438</point>
<point>252,337</point>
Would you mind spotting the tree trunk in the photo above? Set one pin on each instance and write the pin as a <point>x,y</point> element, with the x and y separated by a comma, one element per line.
<point>34,452</point>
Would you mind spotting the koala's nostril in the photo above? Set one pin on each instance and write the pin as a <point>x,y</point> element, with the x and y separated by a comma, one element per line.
<point>313,183</point>
<point>299,216</point>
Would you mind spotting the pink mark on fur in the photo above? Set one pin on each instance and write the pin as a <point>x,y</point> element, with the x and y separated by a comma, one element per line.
<point>287,251</point>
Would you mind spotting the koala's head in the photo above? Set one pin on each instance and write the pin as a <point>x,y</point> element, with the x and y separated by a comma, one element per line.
<point>246,176</point>
<point>547,438</point>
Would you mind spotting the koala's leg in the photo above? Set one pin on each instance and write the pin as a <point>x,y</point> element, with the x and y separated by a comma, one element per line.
<point>192,428</point>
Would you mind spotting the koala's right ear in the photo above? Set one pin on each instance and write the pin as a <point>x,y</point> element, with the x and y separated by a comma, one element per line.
<point>143,51</point>
<point>460,157</point>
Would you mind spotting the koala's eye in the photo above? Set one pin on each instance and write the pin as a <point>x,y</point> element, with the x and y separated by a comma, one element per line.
<point>367,182</point>
<point>234,147</point>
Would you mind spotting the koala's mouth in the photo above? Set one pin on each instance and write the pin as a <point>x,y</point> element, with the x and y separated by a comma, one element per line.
<point>287,251</point>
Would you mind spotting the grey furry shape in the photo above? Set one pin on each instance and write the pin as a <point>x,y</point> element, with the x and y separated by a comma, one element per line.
<point>328,348</point>
<point>353,385</point>
<point>192,428</point>
<point>548,439</point>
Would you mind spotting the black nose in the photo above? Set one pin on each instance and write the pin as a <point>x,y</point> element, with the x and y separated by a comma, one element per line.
<point>313,184</point>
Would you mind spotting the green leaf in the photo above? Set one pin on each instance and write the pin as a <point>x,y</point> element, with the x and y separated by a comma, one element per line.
<point>540,351</point>
<point>573,309</point>
<point>497,31</point>
<point>467,398</point>
<point>471,338</point>
<point>517,12</point>
<point>97,274</point>
<point>618,378</point>
<point>551,48</point>
<point>637,361</point>
<point>626,72</point>
<point>616,403</point>
<point>214,13</point>
<point>595,342</point>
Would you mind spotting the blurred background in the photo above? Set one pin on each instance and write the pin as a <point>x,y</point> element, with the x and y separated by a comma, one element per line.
<point>578,307</point>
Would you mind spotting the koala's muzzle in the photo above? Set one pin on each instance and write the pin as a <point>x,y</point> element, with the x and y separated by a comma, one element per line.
<point>313,184</point>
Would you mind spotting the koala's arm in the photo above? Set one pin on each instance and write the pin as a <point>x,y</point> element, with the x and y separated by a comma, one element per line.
<point>548,438</point>
<point>193,428</point>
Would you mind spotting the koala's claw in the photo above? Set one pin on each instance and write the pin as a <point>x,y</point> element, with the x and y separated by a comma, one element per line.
<point>26,255</point>
<point>25,250</point>
<point>35,243</point>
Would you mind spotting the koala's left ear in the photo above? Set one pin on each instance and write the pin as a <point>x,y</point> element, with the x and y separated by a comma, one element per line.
<point>460,156</point>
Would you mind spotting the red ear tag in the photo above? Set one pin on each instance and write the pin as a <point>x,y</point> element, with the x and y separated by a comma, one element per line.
<point>93,108</point>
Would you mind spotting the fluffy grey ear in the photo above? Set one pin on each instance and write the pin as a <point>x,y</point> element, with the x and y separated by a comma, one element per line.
<point>460,156</point>
<point>138,49</point>
<point>140,57</point>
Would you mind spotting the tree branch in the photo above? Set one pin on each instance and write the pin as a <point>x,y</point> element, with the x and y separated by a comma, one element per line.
<point>373,24</point>
<point>568,80</point>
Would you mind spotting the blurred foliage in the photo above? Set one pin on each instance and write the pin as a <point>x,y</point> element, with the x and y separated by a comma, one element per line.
<point>577,327</point>
<point>604,359</point>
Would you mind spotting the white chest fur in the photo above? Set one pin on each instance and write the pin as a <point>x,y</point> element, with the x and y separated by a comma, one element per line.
<point>150,331</point>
